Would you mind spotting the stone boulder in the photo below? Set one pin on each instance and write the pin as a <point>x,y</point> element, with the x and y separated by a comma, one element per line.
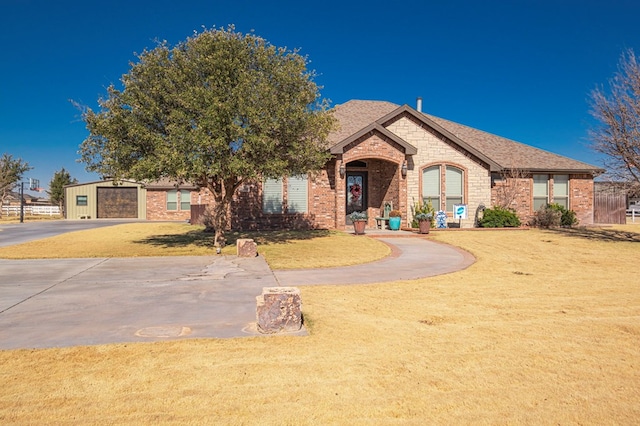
<point>279,309</point>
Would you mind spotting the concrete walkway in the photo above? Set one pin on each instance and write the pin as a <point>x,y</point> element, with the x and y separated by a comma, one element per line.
<point>69,302</point>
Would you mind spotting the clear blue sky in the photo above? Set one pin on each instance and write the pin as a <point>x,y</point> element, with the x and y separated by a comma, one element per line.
<point>519,69</point>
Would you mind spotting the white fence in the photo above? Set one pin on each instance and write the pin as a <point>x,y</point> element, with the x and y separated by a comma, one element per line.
<point>31,210</point>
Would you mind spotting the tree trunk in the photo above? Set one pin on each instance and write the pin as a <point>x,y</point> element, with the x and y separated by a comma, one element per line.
<point>222,191</point>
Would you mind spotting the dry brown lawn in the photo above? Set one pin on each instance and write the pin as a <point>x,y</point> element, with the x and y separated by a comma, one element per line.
<point>543,329</point>
<point>281,249</point>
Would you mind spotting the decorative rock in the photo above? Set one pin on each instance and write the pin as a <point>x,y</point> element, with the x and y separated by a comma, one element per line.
<point>279,309</point>
<point>246,248</point>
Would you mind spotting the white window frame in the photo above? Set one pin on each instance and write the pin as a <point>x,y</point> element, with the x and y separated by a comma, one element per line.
<point>297,194</point>
<point>272,196</point>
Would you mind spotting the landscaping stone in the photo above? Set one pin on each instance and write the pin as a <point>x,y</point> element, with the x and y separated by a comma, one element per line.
<point>279,309</point>
<point>246,247</point>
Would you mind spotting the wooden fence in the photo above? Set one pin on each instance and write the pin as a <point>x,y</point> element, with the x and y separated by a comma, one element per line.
<point>31,210</point>
<point>609,208</point>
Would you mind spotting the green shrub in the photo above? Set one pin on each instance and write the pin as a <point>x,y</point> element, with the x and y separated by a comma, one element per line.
<point>546,217</point>
<point>499,217</point>
<point>568,217</point>
<point>554,215</point>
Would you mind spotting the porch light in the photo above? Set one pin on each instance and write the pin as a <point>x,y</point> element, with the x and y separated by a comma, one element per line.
<point>403,170</point>
<point>342,170</point>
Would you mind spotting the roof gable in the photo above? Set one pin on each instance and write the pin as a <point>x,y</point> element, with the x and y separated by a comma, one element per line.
<point>357,117</point>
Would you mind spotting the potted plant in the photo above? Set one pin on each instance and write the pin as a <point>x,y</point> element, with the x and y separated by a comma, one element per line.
<point>395,217</point>
<point>359,220</point>
<point>424,222</point>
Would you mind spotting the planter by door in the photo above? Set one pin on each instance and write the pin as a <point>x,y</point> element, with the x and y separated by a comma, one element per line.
<point>358,226</point>
<point>424,225</point>
<point>394,223</point>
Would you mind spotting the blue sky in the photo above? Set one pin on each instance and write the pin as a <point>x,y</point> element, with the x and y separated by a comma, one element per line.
<point>519,69</point>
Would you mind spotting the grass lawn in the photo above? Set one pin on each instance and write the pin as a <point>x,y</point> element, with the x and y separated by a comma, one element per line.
<point>282,250</point>
<point>543,329</point>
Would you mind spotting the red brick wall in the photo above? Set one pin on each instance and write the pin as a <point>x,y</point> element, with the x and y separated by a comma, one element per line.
<point>580,197</point>
<point>157,207</point>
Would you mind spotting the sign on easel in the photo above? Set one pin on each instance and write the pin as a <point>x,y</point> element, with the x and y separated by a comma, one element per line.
<point>459,211</point>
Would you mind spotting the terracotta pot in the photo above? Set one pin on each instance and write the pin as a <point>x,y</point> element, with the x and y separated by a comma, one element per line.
<point>358,226</point>
<point>425,226</point>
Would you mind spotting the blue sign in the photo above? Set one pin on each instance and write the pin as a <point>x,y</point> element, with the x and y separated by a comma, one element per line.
<point>459,211</point>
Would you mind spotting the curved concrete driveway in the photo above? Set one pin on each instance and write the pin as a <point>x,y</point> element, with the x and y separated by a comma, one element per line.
<point>68,302</point>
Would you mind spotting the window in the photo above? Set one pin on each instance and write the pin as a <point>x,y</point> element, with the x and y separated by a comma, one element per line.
<point>185,200</point>
<point>81,200</point>
<point>540,191</point>
<point>272,196</point>
<point>297,201</point>
<point>431,186</point>
<point>561,190</point>
<point>172,200</point>
<point>454,187</point>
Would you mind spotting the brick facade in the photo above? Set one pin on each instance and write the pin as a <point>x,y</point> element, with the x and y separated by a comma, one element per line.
<point>382,158</point>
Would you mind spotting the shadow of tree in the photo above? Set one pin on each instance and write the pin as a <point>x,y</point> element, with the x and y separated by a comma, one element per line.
<point>200,238</point>
<point>600,234</point>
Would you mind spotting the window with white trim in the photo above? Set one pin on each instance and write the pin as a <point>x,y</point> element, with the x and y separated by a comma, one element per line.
<point>172,200</point>
<point>540,191</point>
<point>561,190</point>
<point>297,194</point>
<point>454,179</point>
<point>272,196</point>
<point>431,186</point>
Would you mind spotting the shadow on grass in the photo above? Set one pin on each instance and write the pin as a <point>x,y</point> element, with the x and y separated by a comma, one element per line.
<point>200,238</point>
<point>599,234</point>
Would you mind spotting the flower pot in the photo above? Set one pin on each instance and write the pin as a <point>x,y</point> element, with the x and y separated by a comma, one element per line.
<point>394,223</point>
<point>358,226</point>
<point>425,226</point>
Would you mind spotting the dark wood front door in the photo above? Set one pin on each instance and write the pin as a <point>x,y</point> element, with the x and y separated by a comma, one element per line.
<point>356,192</point>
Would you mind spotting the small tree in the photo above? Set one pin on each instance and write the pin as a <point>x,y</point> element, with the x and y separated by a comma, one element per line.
<point>618,133</point>
<point>216,110</point>
<point>56,187</point>
<point>11,171</point>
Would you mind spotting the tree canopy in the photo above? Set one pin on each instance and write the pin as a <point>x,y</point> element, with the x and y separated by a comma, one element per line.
<point>216,110</point>
<point>56,187</point>
<point>617,110</point>
<point>11,171</point>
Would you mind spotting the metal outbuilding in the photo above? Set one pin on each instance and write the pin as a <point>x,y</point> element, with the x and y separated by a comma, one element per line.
<point>106,199</point>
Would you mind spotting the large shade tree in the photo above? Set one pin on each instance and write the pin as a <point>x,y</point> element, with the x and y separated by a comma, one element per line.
<point>11,171</point>
<point>617,110</point>
<point>215,110</point>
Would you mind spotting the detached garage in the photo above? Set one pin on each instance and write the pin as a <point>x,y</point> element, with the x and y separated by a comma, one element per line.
<point>105,200</point>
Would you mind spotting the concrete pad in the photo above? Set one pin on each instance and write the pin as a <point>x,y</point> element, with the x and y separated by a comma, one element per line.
<point>69,302</point>
<point>128,299</point>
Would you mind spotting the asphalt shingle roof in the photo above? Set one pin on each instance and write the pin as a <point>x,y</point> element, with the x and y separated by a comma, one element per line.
<point>357,114</point>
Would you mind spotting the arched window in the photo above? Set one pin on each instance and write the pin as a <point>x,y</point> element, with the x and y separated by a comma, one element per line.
<point>431,186</point>
<point>455,187</point>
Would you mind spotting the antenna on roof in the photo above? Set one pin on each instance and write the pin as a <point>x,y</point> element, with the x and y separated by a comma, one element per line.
<point>419,104</point>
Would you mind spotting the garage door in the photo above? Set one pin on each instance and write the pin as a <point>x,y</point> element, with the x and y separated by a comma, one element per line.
<point>119,202</point>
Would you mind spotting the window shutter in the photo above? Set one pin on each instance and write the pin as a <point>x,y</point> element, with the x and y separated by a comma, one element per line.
<point>272,196</point>
<point>297,194</point>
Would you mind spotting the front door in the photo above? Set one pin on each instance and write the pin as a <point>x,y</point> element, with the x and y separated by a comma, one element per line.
<point>356,192</point>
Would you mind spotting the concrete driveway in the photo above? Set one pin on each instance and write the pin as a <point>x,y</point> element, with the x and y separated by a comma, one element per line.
<point>18,233</point>
<point>68,302</point>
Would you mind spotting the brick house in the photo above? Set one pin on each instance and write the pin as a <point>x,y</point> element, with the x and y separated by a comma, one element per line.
<point>386,153</point>
<point>383,152</point>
